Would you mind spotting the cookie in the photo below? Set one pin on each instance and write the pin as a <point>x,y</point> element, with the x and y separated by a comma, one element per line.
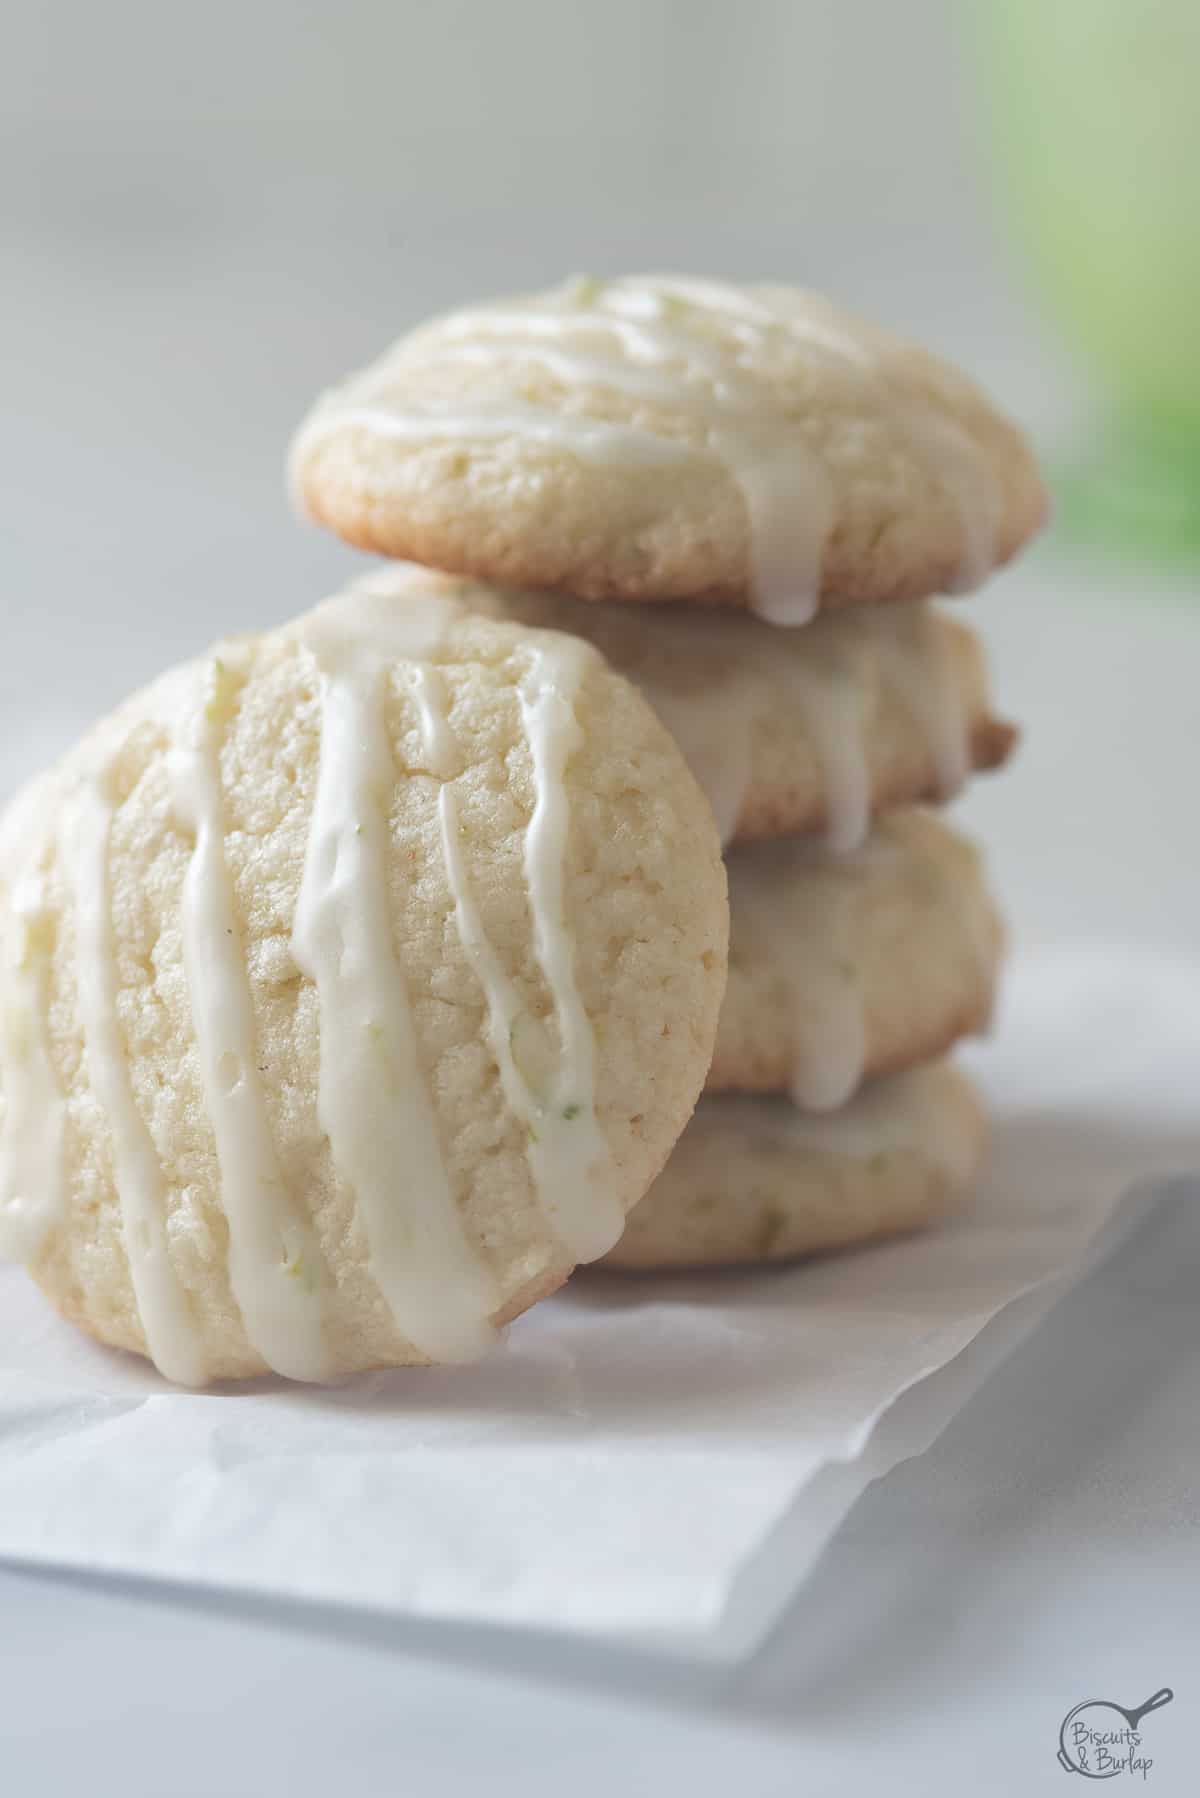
<point>662,438</point>
<point>843,967</point>
<point>355,980</point>
<point>754,1180</point>
<point>811,731</point>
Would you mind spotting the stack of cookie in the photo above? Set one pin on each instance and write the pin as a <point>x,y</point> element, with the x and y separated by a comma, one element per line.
<point>745,499</point>
<point>358,979</point>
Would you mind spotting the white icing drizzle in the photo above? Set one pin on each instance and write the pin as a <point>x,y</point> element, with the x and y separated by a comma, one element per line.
<point>790,505</point>
<point>714,727</point>
<point>811,937</point>
<point>828,677</point>
<point>568,1155</point>
<point>831,699</point>
<point>593,440</point>
<point>956,459</point>
<point>373,1101</point>
<point>911,644</point>
<point>797,904</point>
<point>588,437</point>
<point>570,1145</point>
<point>172,1339</point>
<point>831,1045</point>
<point>438,742</point>
<point>714,730</point>
<point>276,1269</point>
<point>632,350</point>
<point>33,1194</point>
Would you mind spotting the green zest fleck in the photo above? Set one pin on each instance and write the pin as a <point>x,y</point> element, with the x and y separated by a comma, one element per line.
<point>219,705</point>
<point>571,1112</point>
<point>297,1268</point>
<point>585,290</point>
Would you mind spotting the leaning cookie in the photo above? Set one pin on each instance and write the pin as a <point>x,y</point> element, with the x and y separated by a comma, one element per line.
<point>663,438</point>
<point>753,1180</point>
<point>789,734</point>
<point>355,981</point>
<point>844,967</point>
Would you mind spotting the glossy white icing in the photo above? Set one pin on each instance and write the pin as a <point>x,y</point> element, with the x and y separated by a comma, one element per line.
<point>33,1119</point>
<point>372,1090</point>
<point>665,342</point>
<point>375,1104</point>
<point>172,1339</point>
<point>714,696</point>
<point>276,1269</point>
<point>802,906</point>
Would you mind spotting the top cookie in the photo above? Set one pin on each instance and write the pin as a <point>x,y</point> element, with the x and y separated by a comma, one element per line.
<point>662,438</point>
<point>355,981</point>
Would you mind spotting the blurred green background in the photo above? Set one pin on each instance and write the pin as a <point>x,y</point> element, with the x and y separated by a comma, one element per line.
<point>1095,114</point>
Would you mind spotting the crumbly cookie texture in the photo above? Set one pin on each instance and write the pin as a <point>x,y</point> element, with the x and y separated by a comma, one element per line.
<point>841,968</point>
<point>752,1180</point>
<point>639,929</point>
<point>663,438</point>
<point>790,733</point>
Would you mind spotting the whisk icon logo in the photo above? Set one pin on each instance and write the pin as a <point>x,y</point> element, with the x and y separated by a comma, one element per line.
<point>1100,1739</point>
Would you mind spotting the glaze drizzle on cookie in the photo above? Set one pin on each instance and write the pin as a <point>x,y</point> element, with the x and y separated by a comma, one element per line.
<point>372,1097</point>
<point>801,908</point>
<point>687,349</point>
<point>373,1094</point>
<point>566,1150</point>
<point>276,1270</point>
<point>172,1338</point>
<point>914,658</point>
<point>33,1192</point>
<point>809,939</point>
<point>832,689</point>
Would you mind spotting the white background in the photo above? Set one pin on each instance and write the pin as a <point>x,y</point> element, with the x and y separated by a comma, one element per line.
<point>207,213</point>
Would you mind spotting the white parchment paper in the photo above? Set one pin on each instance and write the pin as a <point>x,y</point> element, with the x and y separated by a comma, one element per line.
<point>656,1462</point>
